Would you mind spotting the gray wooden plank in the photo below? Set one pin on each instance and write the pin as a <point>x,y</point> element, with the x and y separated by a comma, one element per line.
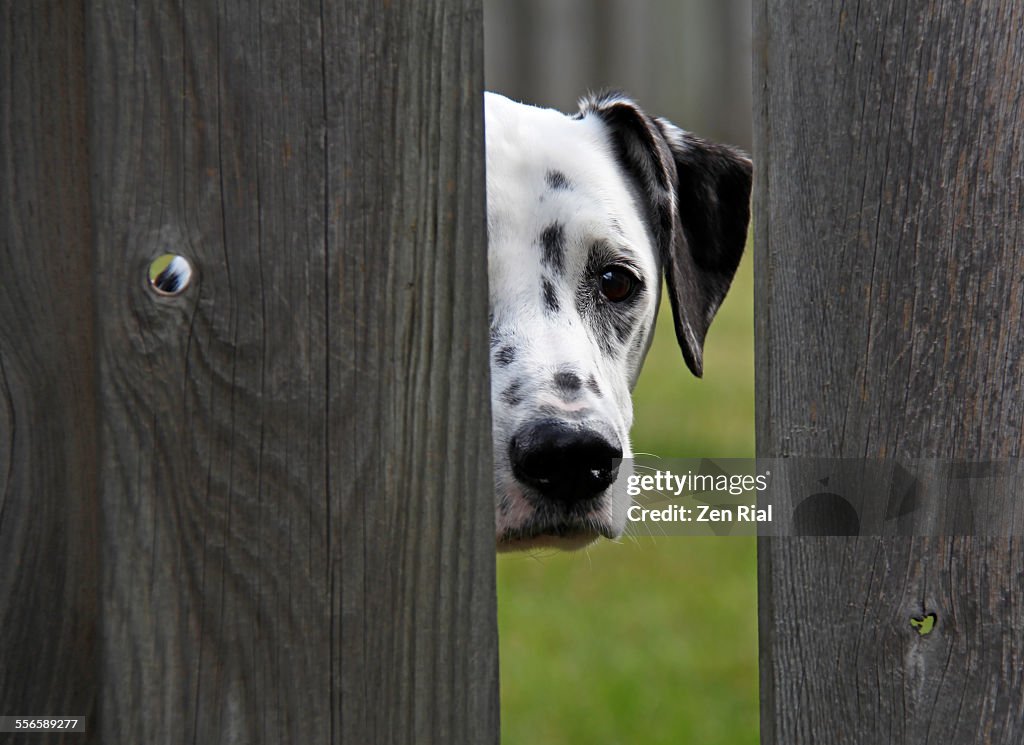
<point>298,534</point>
<point>889,142</point>
<point>48,475</point>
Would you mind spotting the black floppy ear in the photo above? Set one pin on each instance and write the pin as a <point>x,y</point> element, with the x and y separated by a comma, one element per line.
<point>696,196</point>
<point>713,211</point>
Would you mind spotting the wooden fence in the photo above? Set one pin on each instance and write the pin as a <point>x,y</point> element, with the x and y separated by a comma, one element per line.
<point>889,232</point>
<point>256,511</point>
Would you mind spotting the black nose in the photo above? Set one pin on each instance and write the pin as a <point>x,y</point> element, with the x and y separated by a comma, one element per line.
<point>563,462</point>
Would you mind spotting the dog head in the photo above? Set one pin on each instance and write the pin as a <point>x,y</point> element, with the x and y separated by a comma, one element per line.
<point>585,215</point>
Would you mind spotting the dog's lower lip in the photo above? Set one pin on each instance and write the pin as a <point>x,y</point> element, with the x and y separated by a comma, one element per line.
<point>566,541</point>
<point>561,534</point>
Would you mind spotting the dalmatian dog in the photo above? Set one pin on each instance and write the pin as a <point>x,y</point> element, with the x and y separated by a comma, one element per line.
<point>585,215</point>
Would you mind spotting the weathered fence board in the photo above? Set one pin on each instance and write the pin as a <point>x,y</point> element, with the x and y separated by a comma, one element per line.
<point>48,519</point>
<point>279,527</point>
<point>889,142</point>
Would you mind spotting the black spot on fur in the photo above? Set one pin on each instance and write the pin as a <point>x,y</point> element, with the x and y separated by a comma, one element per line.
<point>513,394</point>
<point>593,386</point>
<point>639,345</point>
<point>574,415</point>
<point>552,241</point>
<point>622,324</point>
<point>550,298</point>
<point>505,355</point>
<point>557,180</point>
<point>568,381</point>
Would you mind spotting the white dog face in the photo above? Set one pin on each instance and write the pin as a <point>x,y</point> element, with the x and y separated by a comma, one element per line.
<point>585,214</point>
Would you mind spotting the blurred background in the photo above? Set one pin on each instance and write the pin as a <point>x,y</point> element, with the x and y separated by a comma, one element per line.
<point>688,60</point>
<point>648,640</point>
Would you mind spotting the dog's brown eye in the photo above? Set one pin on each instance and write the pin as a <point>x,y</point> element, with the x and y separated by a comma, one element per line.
<point>618,284</point>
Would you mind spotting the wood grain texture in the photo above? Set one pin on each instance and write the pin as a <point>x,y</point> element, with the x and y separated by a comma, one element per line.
<point>49,562</point>
<point>298,528</point>
<point>889,142</point>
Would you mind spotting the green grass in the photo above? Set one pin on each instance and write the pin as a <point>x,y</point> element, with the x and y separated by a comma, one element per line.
<point>646,641</point>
